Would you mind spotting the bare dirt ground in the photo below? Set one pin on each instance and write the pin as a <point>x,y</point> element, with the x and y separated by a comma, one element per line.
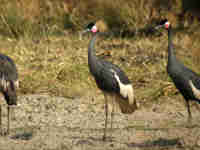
<point>57,123</point>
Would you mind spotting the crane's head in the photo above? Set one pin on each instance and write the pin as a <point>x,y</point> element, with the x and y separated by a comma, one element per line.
<point>91,27</point>
<point>163,24</point>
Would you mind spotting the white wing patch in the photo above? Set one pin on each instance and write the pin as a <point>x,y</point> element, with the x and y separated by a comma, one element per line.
<point>125,90</point>
<point>195,91</point>
<point>4,84</point>
<point>16,84</point>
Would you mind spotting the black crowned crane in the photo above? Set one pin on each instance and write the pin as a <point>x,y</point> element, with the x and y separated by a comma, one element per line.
<point>110,79</point>
<point>185,80</point>
<point>8,84</point>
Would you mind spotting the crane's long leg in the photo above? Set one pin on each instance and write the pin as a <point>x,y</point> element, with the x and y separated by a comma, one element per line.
<point>8,127</point>
<point>106,113</point>
<point>189,112</point>
<point>113,110</point>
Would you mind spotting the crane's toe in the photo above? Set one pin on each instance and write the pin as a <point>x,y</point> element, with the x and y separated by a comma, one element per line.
<point>107,138</point>
<point>3,133</point>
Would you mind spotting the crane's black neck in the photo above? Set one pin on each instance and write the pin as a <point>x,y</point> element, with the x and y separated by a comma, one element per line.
<point>93,61</point>
<point>171,53</point>
<point>91,48</point>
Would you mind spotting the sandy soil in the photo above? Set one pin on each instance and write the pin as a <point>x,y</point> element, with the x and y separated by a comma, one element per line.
<point>57,123</point>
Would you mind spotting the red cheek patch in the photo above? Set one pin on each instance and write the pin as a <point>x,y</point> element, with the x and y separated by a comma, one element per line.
<point>94,29</point>
<point>167,24</point>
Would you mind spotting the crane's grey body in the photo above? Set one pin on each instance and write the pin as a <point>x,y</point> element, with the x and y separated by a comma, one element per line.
<point>185,80</point>
<point>8,83</point>
<point>8,68</point>
<point>111,80</point>
<point>101,70</point>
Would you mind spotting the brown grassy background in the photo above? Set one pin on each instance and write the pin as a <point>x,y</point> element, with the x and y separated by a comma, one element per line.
<point>35,17</point>
<point>42,37</point>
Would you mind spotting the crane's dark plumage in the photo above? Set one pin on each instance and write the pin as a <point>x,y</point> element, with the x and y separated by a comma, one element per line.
<point>110,79</point>
<point>185,80</point>
<point>101,70</point>
<point>8,83</point>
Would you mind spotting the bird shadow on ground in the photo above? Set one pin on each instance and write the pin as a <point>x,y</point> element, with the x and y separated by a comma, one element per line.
<point>23,136</point>
<point>91,140</point>
<point>161,142</point>
<point>23,133</point>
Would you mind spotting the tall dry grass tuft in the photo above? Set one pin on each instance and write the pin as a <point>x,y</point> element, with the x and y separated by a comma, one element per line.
<point>31,18</point>
<point>196,49</point>
<point>35,17</point>
<point>116,14</point>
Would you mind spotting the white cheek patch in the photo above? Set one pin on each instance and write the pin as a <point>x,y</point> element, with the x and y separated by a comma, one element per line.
<point>126,91</point>
<point>17,84</point>
<point>195,91</point>
<point>94,29</point>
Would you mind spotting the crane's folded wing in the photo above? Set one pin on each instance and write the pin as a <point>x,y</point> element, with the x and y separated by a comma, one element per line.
<point>7,68</point>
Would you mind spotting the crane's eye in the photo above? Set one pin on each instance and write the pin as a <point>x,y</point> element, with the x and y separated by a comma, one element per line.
<point>90,25</point>
<point>162,22</point>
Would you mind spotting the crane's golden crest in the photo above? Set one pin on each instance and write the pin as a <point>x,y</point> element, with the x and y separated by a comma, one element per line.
<point>102,26</point>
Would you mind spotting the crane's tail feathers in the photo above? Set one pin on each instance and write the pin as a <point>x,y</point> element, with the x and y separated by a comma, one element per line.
<point>125,106</point>
<point>196,91</point>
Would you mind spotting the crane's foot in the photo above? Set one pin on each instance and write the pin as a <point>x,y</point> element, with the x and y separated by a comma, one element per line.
<point>190,126</point>
<point>104,138</point>
<point>3,133</point>
<point>190,123</point>
<point>107,139</point>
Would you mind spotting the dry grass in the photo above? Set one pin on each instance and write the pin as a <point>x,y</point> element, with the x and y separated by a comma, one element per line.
<point>54,61</point>
<point>34,17</point>
<point>52,64</point>
<point>57,65</point>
